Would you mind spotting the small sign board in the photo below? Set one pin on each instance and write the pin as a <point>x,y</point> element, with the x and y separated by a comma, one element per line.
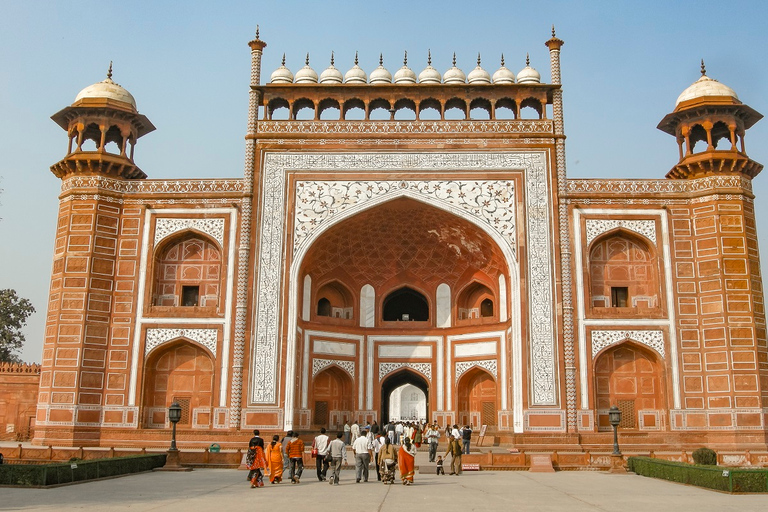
<point>73,466</point>
<point>481,438</point>
<point>470,467</point>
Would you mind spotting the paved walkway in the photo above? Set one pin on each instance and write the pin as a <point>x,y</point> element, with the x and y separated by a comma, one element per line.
<point>225,489</point>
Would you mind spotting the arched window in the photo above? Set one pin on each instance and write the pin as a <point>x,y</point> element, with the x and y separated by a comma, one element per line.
<point>486,308</point>
<point>405,304</point>
<point>323,307</point>
<point>623,273</point>
<point>188,273</point>
<point>475,301</point>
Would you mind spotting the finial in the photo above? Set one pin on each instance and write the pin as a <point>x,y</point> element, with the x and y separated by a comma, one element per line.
<point>478,59</point>
<point>331,57</point>
<point>257,31</point>
<point>307,61</point>
<point>454,59</point>
<point>502,60</point>
<point>109,71</point>
<point>355,58</point>
<point>429,57</point>
<point>527,60</point>
<point>381,59</point>
<point>405,58</point>
<point>553,30</point>
<point>283,59</point>
<point>703,69</point>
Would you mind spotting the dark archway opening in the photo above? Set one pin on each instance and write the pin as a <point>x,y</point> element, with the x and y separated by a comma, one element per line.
<point>405,304</point>
<point>394,381</point>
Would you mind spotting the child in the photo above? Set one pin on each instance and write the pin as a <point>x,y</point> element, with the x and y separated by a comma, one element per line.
<point>440,470</point>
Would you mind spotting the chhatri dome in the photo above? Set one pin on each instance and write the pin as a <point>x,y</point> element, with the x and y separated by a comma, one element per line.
<point>405,75</point>
<point>380,75</point>
<point>355,75</point>
<point>281,75</point>
<point>331,75</point>
<point>306,75</point>
<point>454,75</point>
<point>528,75</point>
<point>430,75</point>
<point>503,75</point>
<point>107,89</point>
<point>478,75</point>
<point>706,87</point>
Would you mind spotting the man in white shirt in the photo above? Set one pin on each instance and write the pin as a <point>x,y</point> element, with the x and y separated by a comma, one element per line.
<point>355,430</point>
<point>378,442</point>
<point>455,432</point>
<point>323,461</point>
<point>433,437</point>
<point>362,458</point>
<point>399,429</point>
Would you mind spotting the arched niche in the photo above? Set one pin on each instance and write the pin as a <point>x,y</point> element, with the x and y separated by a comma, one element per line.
<point>623,272</point>
<point>187,272</point>
<point>405,304</point>
<point>476,301</point>
<point>531,108</point>
<point>476,395</point>
<point>334,300</point>
<point>631,377</point>
<point>179,371</point>
<point>332,398</point>
<point>397,380</point>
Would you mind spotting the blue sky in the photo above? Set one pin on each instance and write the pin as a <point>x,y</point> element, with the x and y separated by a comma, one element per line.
<point>188,65</point>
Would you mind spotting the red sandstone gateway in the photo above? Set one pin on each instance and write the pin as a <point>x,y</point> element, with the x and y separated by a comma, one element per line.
<point>407,247</point>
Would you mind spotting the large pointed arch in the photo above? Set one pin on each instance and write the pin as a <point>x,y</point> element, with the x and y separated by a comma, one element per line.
<point>512,267</point>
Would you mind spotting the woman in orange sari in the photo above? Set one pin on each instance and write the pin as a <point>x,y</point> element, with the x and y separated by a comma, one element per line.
<point>405,460</point>
<point>255,460</point>
<point>275,460</point>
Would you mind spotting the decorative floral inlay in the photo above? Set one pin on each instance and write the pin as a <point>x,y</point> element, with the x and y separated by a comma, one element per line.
<point>596,227</point>
<point>387,368</point>
<point>206,337</point>
<point>652,339</point>
<point>488,364</point>
<point>165,227</point>
<point>319,365</point>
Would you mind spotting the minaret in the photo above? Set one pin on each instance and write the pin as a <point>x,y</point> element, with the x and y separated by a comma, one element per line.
<point>103,113</point>
<point>709,122</point>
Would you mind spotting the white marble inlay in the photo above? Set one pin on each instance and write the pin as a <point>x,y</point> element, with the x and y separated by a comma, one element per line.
<point>334,348</point>
<point>165,227</point>
<point>652,339</point>
<point>405,351</point>
<point>423,368</point>
<point>206,337</point>
<point>319,365</point>
<point>596,227</point>
<point>488,364</point>
<point>483,348</point>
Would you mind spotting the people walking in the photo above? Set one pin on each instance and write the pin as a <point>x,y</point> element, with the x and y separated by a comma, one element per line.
<point>284,442</point>
<point>362,448</point>
<point>433,438</point>
<point>378,442</point>
<point>418,435</point>
<point>275,460</point>
<point>375,429</point>
<point>387,460</point>
<point>391,431</point>
<point>454,449</point>
<point>338,451</point>
<point>347,432</point>
<point>406,457</point>
<point>355,431</point>
<point>322,460</point>
<point>255,460</point>
<point>296,454</point>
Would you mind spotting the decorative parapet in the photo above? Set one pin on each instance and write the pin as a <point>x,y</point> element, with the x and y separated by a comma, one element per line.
<point>717,184</point>
<point>410,128</point>
<point>159,187</point>
<point>24,368</point>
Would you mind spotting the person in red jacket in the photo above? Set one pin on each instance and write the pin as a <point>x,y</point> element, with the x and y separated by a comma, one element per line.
<point>295,452</point>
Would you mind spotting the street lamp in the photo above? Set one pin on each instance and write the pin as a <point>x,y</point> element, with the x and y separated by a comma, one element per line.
<point>174,415</point>
<point>617,459</point>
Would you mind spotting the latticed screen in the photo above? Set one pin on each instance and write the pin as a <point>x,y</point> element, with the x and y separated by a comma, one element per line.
<point>321,413</point>
<point>184,403</point>
<point>489,413</point>
<point>627,408</point>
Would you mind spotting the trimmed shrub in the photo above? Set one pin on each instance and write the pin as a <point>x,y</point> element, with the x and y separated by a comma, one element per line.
<point>705,457</point>
<point>42,475</point>
<point>729,480</point>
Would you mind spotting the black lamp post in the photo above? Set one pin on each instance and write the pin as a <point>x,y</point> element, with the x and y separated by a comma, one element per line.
<point>174,415</point>
<point>614,416</point>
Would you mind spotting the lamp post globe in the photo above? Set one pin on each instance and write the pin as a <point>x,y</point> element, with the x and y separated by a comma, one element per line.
<point>614,417</point>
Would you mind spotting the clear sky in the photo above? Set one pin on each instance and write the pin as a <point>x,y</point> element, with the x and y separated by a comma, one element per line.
<point>188,66</point>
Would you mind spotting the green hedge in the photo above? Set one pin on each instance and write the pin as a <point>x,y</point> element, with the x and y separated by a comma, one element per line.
<point>711,477</point>
<point>34,475</point>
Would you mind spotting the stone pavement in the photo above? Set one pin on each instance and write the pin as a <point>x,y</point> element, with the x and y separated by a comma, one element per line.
<point>226,489</point>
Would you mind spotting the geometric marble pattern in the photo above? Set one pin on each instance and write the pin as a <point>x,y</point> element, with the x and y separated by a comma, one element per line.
<point>596,227</point>
<point>488,364</point>
<point>652,339</point>
<point>387,368</point>
<point>319,365</point>
<point>206,337</point>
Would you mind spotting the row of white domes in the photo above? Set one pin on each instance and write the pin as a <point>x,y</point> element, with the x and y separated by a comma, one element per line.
<point>405,75</point>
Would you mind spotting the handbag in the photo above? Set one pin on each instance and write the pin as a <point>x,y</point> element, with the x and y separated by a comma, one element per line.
<point>314,449</point>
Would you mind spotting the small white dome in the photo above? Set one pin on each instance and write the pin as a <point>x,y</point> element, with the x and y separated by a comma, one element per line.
<point>705,86</point>
<point>306,75</point>
<point>430,75</point>
<point>355,75</point>
<point>454,75</point>
<point>107,89</point>
<point>281,75</point>
<point>503,75</point>
<point>405,75</point>
<point>528,75</point>
<point>380,75</point>
<point>331,75</point>
<point>478,75</point>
